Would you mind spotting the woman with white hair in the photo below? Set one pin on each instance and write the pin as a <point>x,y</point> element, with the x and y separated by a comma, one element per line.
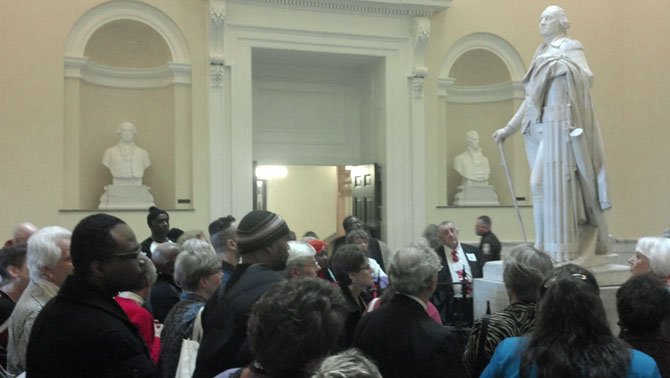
<point>301,260</point>
<point>652,255</point>
<point>198,273</point>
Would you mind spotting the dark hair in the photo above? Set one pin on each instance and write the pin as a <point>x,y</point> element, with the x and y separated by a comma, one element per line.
<point>13,255</point>
<point>174,234</point>
<point>220,224</point>
<point>294,323</point>
<point>153,213</point>
<point>571,334</point>
<point>310,234</point>
<point>486,220</point>
<point>347,259</point>
<point>92,241</point>
<point>642,303</point>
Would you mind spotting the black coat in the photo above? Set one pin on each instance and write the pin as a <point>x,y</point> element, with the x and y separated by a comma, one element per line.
<point>406,342</point>
<point>490,252</point>
<point>164,295</point>
<point>224,320</point>
<point>82,332</point>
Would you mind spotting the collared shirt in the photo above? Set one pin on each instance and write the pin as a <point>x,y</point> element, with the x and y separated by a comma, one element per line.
<point>417,299</point>
<point>456,268</point>
<point>132,296</point>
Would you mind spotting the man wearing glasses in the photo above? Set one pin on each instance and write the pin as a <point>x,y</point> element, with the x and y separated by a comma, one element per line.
<point>460,264</point>
<point>83,332</point>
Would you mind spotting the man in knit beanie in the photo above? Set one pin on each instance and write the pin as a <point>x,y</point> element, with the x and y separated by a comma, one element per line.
<point>262,240</point>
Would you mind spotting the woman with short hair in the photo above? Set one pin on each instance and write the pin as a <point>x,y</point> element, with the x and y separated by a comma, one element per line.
<point>352,272</point>
<point>198,273</point>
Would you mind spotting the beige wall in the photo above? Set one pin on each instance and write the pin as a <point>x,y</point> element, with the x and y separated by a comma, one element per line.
<point>625,48</point>
<point>306,198</point>
<point>625,45</point>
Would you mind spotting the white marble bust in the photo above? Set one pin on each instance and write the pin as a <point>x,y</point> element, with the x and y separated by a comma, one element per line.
<point>472,165</point>
<point>125,160</point>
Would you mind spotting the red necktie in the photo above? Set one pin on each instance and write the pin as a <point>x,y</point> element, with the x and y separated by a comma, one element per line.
<point>454,256</point>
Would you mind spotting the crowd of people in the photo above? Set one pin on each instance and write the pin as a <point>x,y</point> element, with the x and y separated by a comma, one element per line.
<point>96,302</point>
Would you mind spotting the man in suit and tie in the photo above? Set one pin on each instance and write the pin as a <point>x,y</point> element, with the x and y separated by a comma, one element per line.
<point>400,336</point>
<point>460,264</point>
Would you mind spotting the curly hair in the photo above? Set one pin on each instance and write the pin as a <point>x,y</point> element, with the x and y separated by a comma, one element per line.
<point>295,324</point>
<point>642,303</point>
<point>351,363</point>
<point>571,334</point>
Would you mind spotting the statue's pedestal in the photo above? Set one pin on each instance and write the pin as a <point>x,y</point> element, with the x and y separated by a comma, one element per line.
<point>126,197</point>
<point>476,195</point>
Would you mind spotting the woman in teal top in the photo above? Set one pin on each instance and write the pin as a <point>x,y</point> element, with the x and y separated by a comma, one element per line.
<point>571,337</point>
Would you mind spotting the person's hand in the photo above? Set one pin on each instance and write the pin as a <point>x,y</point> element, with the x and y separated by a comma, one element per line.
<point>500,135</point>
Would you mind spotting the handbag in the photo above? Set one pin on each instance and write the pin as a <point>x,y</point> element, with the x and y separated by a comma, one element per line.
<point>189,350</point>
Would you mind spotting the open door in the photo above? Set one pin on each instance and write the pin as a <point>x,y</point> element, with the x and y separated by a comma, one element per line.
<point>366,196</point>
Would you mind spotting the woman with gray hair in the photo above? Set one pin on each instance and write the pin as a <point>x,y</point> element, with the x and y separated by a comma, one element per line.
<point>652,255</point>
<point>301,261</point>
<point>198,273</point>
<point>523,272</point>
<point>350,363</point>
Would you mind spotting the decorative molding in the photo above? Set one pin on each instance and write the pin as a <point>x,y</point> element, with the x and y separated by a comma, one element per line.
<point>421,8</point>
<point>217,15</point>
<point>480,93</point>
<point>490,42</point>
<point>418,83</point>
<point>122,77</point>
<point>217,74</point>
<point>127,10</point>
<point>421,35</point>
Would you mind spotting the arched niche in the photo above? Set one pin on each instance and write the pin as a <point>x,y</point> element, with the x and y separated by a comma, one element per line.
<point>479,89</point>
<point>127,61</point>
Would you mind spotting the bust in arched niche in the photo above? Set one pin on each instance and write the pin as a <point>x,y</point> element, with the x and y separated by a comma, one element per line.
<point>127,163</point>
<point>472,165</point>
<point>474,168</point>
<point>125,160</point>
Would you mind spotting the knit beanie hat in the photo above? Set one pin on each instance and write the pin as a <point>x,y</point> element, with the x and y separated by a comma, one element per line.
<point>259,229</point>
<point>153,213</point>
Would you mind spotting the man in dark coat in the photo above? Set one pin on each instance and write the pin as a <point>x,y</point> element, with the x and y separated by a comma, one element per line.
<point>83,332</point>
<point>262,240</point>
<point>400,336</point>
<point>460,264</point>
<point>489,245</point>
<point>165,292</point>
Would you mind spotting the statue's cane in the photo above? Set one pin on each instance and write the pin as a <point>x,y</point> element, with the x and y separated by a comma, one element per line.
<point>511,189</point>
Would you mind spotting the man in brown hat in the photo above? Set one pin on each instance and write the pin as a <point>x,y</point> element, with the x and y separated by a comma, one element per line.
<point>262,241</point>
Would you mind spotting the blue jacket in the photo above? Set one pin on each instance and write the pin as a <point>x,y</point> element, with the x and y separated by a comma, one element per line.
<point>507,359</point>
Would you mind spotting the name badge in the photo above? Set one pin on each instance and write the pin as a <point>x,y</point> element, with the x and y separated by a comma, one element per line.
<point>471,256</point>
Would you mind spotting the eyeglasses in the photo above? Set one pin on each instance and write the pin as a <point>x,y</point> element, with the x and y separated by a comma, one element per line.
<point>365,267</point>
<point>125,256</point>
